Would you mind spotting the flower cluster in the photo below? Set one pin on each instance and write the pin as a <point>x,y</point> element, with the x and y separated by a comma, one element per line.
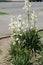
<point>18,26</point>
<point>31,15</point>
<point>27,6</point>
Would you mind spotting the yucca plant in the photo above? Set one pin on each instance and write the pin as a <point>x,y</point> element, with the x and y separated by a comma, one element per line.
<point>26,45</point>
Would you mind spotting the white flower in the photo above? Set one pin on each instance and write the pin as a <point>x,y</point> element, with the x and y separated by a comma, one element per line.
<point>14,43</point>
<point>22,28</point>
<point>11,26</point>
<point>31,27</point>
<point>14,34</point>
<point>19,24</point>
<point>24,41</point>
<point>18,30</point>
<point>11,64</point>
<point>32,15</point>
<point>26,1</point>
<point>17,39</point>
<point>20,34</point>
<point>19,42</point>
<point>19,18</point>
<point>29,5</point>
<point>12,23</point>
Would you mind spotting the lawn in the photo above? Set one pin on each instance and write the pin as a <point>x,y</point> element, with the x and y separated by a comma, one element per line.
<point>3,13</point>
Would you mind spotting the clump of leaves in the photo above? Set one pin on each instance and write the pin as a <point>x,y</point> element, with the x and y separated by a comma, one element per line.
<point>31,40</point>
<point>20,56</point>
<point>29,48</point>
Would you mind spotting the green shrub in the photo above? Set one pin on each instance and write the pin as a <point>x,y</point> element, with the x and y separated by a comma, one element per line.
<point>20,55</point>
<point>31,40</point>
<point>30,46</point>
<point>26,45</point>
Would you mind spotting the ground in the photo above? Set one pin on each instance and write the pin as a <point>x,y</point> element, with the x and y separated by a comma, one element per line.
<point>4,46</point>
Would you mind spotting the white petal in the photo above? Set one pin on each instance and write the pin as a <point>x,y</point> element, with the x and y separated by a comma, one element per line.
<point>14,43</point>
<point>17,39</point>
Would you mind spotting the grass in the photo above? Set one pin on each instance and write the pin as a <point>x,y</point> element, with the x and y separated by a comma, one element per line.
<point>0,51</point>
<point>3,13</point>
<point>41,33</point>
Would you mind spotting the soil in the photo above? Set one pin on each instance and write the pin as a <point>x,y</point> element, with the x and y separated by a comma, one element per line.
<point>4,46</point>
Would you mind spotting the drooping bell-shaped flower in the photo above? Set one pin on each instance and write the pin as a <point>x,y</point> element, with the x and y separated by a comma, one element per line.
<point>27,6</point>
<point>11,25</point>
<point>31,15</point>
<point>33,19</point>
